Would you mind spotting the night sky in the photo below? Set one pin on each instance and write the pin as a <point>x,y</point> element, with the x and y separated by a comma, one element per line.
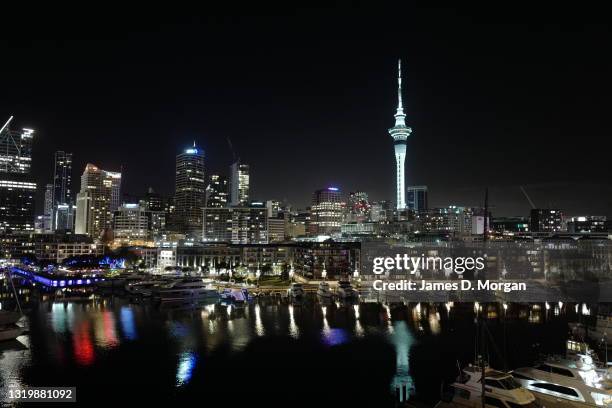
<point>495,97</point>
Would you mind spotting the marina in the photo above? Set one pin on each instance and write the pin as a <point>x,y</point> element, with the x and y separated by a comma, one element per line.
<point>187,336</point>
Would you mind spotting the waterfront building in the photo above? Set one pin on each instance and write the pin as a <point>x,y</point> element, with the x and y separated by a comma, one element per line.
<point>190,192</point>
<point>17,187</point>
<point>47,247</point>
<point>58,247</point>
<point>238,225</point>
<point>326,211</point>
<point>400,132</point>
<point>239,184</point>
<point>587,224</point>
<point>217,192</point>
<point>307,258</point>
<point>132,225</point>
<point>416,198</point>
<point>546,220</point>
<point>100,191</point>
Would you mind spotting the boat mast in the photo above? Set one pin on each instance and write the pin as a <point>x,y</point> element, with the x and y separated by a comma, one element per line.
<point>10,278</point>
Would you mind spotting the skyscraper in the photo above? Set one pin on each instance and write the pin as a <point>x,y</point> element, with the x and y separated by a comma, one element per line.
<point>190,193</point>
<point>239,184</point>
<point>48,210</point>
<point>98,198</point>
<point>217,192</point>
<point>416,198</point>
<point>400,133</point>
<point>62,178</point>
<point>326,212</point>
<point>17,188</point>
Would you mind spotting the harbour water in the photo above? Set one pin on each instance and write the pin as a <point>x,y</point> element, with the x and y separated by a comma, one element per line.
<point>269,351</point>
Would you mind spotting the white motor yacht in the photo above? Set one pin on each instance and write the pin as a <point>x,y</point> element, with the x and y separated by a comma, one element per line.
<point>296,290</point>
<point>323,291</point>
<point>187,289</point>
<point>7,317</point>
<point>573,380</point>
<point>501,391</point>
<point>144,288</point>
<point>10,332</point>
<point>346,291</point>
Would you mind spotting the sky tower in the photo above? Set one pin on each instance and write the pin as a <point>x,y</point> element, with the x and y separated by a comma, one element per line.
<point>400,133</point>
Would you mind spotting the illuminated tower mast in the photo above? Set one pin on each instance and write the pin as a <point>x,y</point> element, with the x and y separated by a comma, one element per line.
<point>400,133</point>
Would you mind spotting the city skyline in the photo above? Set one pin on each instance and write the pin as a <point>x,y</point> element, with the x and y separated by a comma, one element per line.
<point>497,119</point>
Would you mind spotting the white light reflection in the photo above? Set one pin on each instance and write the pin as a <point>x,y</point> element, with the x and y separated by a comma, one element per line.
<point>259,328</point>
<point>294,331</point>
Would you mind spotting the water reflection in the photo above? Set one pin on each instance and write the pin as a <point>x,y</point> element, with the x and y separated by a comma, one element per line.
<point>88,335</point>
<point>186,364</point>
<point>403,341</point>
<point>127,323</point>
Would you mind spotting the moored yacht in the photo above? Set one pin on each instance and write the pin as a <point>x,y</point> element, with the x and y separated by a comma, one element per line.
<point>573,380</point>
<point>10,332</point>
<point>501,391</point>
<point>296,290</point>
<point>144,288</point>
<point>186,289</point>
<point>346,291</point>
<point>324,291</point>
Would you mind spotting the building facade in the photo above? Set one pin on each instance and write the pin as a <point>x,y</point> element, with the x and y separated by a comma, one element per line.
<point>100,192</point>
<point>237,225</point>
<point>217,192</point>
<point>239,184</point>
<point>17,187</point>
<point>326,212</point>
<point>546,220</point>
<point>416,198</point>
<point>132,225</point>
<point>190,192</point>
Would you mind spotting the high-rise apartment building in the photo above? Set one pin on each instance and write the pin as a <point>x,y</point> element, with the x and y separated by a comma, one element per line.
<point>132,225</point>
<point>97,200</point>
<point>326,211</point>
<point>62,178</point>
<point>217,192</point>
<point>17,187</point>
<point>190,192</point>
<point>239,184</point>
<point>238,225</point>
<point>416,198</point>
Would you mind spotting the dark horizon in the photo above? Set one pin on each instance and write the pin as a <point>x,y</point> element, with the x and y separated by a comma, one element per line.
<point>307,96</point>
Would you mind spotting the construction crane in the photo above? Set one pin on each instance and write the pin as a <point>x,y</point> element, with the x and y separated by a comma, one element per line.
<point>527,197</point>
<point>6,124</point>
<point>229,142</point>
